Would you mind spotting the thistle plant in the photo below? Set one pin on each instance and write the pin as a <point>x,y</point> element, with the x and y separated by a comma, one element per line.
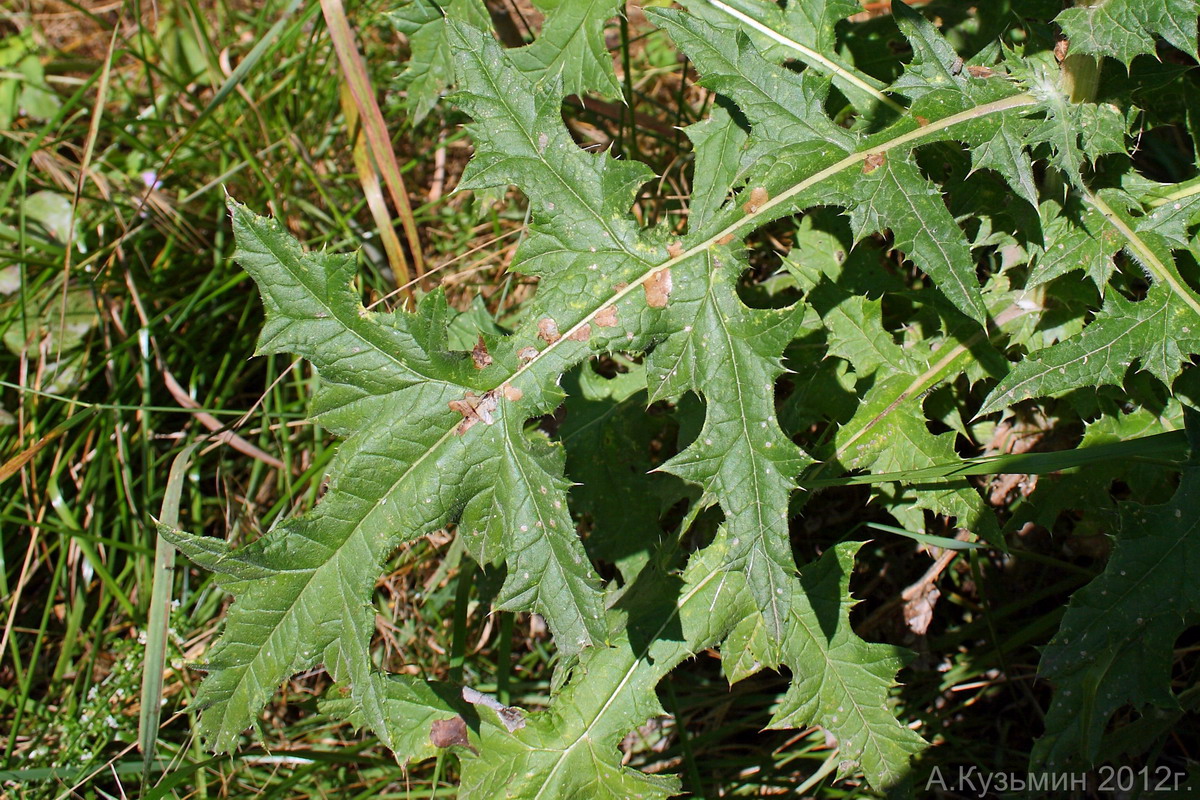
<point>1037,262</point>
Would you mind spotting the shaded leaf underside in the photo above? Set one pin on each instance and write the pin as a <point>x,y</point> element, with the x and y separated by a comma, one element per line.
<point>1115,644</point>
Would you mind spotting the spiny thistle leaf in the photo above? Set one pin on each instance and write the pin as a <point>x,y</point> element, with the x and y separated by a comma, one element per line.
<point>585,246</point>
<point>729,354</point>
<point>570,750</point>
<point>571,45</point>
<point>1005,153</point>
<point>418,447</point>
<point>940,82</point>
<point>839,681</point>
<point>1158,333</point>
<point>887,431</point>
<point>792,32</point>
<point>1077,133</point>
<point>1171,220</point>
<point>894,194</point>
<point>1076,237</point>
<point>1125,29</point>
<point>810,24</point>
<point>718,142</point>
<point>855,334</point>
<point>569,48</point>
<point>785,110</point>
<point>791,136</point>
<point>935,65</point>
<point>885,437</point>
<point>1115,644</point>
<point>429,70</point>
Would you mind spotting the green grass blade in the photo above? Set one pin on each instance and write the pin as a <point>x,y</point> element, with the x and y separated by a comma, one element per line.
<point>159,616</point>
<point>926,539</point>
<point>1169,447</point>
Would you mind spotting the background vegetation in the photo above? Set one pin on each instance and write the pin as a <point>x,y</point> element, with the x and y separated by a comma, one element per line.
<point>128,335</point>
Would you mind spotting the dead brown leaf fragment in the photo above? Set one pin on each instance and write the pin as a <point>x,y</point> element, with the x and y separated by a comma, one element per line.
<point>474,409</point>
<point>758,199</point>
<point>449,732</point>
<point>512,717</point>
<point>1061,47</point>
<point>873,162</point>
<point>658,288</point>
<point>480,355</point>
<point>582,335</point>
<point>606,317</point>
<point>548,331</point>
<point>918,609</point>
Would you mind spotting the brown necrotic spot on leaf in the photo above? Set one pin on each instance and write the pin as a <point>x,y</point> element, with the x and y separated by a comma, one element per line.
<point>511,393</point>
<point>758,198</point>
<point>474,409</point>
<point>873,162</point>
<point>922,121</point>
<point>450,732</point>
<point>548,330</point>
<point>582,335</point>
<point>479,354</point>
<point>675,249</point>
<point>607,317</point>
<point>726,239</point>
<point>980,72</point>
<point>527,353</point>
<point>658,288</point>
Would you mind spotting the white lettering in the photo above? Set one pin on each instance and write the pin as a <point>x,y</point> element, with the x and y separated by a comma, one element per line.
<point>936,777</point>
